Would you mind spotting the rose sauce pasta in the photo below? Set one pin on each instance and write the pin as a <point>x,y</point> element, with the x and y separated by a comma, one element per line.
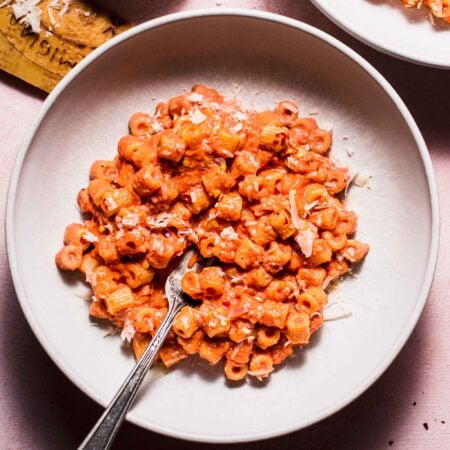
<point>254,192</point>
<point>438,8</point>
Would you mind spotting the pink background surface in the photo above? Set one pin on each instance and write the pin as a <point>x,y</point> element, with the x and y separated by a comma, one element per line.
<point>40,408</point>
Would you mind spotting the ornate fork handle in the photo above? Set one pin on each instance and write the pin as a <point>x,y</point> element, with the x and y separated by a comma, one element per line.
<point>104,431</point>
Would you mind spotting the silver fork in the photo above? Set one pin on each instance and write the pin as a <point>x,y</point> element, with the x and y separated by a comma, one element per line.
<point>103,433</point>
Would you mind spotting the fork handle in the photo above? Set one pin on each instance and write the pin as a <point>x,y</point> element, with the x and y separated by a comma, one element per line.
<point>102,434</point>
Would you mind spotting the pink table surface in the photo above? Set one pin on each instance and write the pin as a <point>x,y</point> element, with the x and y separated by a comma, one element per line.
<point>41,409</point>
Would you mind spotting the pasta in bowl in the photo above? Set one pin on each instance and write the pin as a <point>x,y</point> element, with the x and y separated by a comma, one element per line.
<point>241,53</point>
<point>259,197</point>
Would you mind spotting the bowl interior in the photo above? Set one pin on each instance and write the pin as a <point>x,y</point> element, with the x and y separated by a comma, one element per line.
<point>261,61</point>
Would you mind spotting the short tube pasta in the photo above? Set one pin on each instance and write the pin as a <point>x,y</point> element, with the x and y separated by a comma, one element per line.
<point>438,8</point>
<point>254,192</point>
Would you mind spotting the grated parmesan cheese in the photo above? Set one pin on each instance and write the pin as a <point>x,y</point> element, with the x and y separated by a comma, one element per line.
<point>238,127</point>
<point>91,278</point>
<point>128,332</point>
<point>151,325</point>
<point>86,295</point>
<point>260,374</point>
<point>90,237</point>
<point>326,282</point>
<point>236,350</point>
<point>161,220</point>
<point>305,237</point>
<point>51,16</point>
<point>28,13</point>
<point>157,245</point>
<point>335,311</point>
<point>311,205</point>
<point>111,331</point>
<point>198,117</point>
<point>110,203</point>
<point>290,107</point>
<point>296,221</point>
<point>236,279</point>
<point>362,179</point>
<point>195,97</point>
<point>194,196</point>
<point>252,160</point>
<point>229,234</point>
<point>185,321</point>
<point>188,233</point>
<point>238,115</point>
<point>65,7</point>
<point>430,14</point>
<point>131,220</point>
<point>109,227</point>
<point>157,127</point>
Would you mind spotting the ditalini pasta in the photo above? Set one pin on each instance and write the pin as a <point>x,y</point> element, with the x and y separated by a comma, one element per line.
<point>438,8</point>
<point>254,192</point>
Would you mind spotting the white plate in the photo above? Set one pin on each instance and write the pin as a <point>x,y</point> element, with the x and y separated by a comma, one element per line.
<point>386,25</point>
<point>271,58</point>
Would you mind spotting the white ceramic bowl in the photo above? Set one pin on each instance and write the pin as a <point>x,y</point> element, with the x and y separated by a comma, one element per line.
<point>406,33</point>
<point>271,58</point>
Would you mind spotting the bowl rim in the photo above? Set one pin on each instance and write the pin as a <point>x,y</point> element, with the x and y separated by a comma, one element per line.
<point>281,20</point>
<point>366,38</point>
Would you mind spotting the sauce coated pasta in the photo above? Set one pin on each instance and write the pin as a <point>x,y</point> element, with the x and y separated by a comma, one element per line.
<point>254,192</point>
<point>438,8</point>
